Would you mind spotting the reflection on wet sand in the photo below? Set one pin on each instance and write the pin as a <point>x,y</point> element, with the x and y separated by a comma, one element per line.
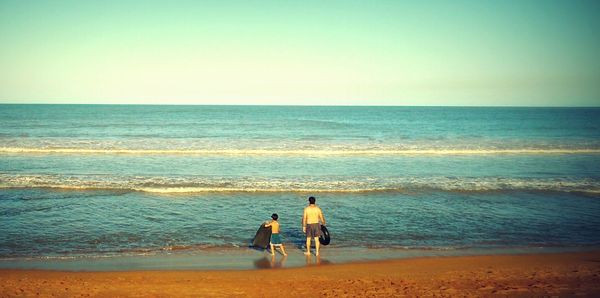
<point>316,260</point>
<point>278,261</point>
<point>268,263</point>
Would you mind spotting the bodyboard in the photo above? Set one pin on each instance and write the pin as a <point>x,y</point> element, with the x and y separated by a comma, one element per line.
<point>324,238</point>
<point>262,237</point>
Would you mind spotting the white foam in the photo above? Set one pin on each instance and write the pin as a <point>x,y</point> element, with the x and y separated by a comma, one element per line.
<point>285,152</point>
<point>175,185</point>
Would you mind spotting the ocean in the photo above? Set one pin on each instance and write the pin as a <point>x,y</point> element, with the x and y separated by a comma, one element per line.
<point>110,180</point>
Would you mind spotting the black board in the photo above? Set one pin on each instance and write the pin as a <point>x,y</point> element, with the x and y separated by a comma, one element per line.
<point>324,238</point>
<point>262,237</point>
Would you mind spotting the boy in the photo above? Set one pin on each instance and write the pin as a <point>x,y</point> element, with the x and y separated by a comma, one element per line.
<point>275,238</point>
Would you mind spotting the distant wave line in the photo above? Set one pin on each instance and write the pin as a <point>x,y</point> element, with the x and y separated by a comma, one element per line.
<point>183,190</point>
<point>359,185</point>
<point>199,190</point>
<point>300,152</point>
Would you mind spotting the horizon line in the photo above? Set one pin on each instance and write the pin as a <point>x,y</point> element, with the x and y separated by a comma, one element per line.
<point>294,105</point>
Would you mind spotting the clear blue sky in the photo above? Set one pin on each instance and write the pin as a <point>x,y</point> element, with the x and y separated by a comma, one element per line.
<point>534,53</point>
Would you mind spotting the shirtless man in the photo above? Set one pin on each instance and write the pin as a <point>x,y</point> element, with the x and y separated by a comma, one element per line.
<point>310,224</point>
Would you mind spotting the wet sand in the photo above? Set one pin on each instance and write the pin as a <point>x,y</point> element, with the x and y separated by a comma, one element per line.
<point>565,274</point>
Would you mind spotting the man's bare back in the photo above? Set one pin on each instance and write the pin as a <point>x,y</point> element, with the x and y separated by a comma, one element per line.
<point>312,215</point>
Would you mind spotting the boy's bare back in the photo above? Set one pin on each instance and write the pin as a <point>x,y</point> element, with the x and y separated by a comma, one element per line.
<point>274,227</point>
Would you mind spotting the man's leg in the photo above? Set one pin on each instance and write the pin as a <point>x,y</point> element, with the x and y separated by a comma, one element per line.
<point>272,250</point>
<point>307,246</point>
<point>317,243</point>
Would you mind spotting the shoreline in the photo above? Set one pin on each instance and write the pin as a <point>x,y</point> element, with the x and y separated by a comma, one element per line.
<point>562,274</point>
<point>247,258</point>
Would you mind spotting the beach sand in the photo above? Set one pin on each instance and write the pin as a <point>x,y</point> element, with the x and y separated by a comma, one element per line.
<point>564,274</point>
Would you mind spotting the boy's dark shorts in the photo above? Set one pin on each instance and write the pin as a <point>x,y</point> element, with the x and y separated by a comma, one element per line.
<point>313,230</point>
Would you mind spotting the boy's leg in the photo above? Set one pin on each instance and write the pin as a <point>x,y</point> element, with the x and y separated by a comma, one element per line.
<point>307,246</point>
<point>283,250</point>
<point>272,250</point>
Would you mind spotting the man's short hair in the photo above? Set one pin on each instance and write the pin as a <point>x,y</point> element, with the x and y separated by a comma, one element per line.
<point>311,200</point>
<point>274,216</point>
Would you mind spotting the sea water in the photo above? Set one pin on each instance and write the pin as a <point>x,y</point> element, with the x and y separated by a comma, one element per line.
<point>96,180</point>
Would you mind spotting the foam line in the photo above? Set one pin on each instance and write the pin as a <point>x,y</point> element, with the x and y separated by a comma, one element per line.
<point>307,152</point>
<point>168,185</point>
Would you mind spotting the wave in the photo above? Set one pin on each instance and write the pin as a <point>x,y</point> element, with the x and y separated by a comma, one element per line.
<point>300,152</point>
<point>201,184</point>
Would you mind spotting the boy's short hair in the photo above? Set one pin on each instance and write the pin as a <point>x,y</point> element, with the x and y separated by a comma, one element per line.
<point>311,200</point>
<point>274,216</point>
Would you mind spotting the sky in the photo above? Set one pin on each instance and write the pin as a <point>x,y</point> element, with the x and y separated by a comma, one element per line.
<point>473,53</point>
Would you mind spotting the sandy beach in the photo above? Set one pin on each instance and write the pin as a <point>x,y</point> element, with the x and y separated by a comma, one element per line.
<point>423,148</point>
<point>564,274</point>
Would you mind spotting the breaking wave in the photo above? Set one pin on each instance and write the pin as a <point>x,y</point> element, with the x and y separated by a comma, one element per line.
<point>200,184</point>
<point>300,152</point>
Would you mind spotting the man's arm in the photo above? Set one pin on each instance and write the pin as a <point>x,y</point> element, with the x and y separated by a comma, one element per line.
<point>304,221</point>
<point>322,217</point>
<point>304,218</point>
